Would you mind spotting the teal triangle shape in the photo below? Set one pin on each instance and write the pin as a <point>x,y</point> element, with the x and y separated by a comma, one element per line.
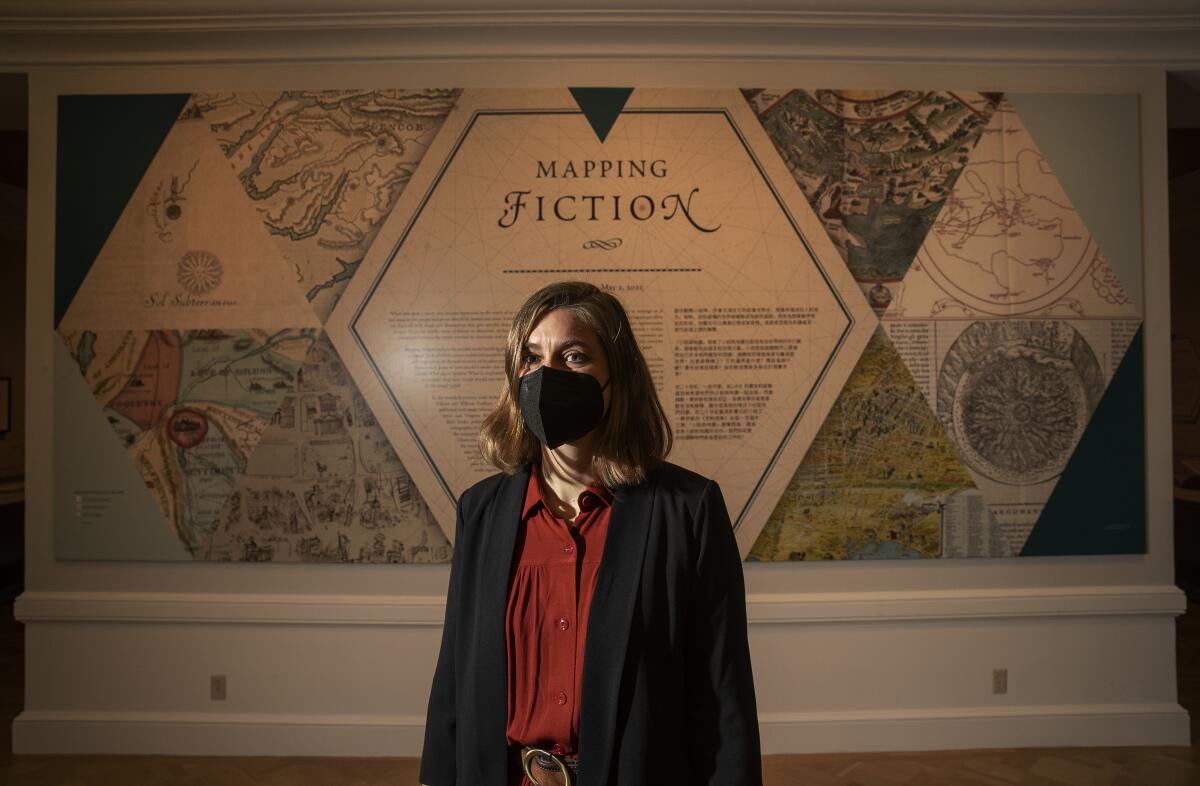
<point>105,145</point>
<point>1091,142</point>
<point>601,106</point>
<point>102,508</point>
<point>1099,503</point>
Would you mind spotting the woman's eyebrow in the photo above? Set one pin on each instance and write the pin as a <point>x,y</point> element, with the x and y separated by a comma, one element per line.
<point>571,342</point>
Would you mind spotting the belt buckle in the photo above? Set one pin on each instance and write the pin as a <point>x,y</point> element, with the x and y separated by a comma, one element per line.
<point>530,752</point>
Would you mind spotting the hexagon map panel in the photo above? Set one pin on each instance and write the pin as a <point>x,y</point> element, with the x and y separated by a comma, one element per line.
<point>156,331</point>
<point>747,314</point>
<point>1012,323</point>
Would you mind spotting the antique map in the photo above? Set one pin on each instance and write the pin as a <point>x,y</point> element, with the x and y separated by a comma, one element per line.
<point>880,481</point>
<point>875,317</point>
<point>1012,322</point>
<point>189,407</point>
<point>876,166</point>
<point>324,168</point>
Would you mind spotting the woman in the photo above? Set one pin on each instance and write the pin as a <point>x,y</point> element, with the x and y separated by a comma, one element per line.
<point>595,628</point>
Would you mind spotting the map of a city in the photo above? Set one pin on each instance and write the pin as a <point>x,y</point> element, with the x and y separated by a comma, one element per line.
<point>875,166</point>
<point>189,407</point>
<point>324,484</point>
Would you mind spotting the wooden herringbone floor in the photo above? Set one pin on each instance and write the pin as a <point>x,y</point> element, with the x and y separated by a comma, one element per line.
<point>1178,766</point>
<point>1035,767</point>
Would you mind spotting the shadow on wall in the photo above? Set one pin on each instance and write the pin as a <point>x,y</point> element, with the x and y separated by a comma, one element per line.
<point>1183,157</point>
<point>13,178</point>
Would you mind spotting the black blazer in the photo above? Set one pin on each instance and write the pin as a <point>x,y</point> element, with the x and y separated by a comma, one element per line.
<point>668,693</point>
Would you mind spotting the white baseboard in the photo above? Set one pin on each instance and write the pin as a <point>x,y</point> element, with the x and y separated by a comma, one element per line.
<point>227,734</point>
<point>1089,666</point>
<point>946,728</point>
<point>217,734</point>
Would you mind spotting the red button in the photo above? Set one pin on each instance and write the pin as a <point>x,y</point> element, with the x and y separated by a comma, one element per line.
<point>563,623</point>
<point>558,749</point>
<point>568,548</point>
<point>562,698</point>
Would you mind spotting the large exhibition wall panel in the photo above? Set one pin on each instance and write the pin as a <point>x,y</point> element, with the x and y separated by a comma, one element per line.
<point>893,324</point>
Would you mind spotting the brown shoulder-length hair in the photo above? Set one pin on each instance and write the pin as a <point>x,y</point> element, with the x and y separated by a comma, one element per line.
<point>634,435</point>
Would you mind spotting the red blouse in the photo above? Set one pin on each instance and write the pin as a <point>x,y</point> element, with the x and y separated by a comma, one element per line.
<point>550,592</point>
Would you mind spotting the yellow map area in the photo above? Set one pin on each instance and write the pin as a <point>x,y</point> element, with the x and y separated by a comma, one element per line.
<point>875,480</point>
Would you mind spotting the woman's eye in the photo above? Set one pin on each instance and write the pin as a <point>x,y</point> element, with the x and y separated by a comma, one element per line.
<point>576,357</point>
<point>528,359</point>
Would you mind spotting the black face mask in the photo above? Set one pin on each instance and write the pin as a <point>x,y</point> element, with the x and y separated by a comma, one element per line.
<point>560,406</point>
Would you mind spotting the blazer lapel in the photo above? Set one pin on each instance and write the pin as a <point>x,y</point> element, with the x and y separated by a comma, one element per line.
<point>613,602</point>
<point>497,546</point>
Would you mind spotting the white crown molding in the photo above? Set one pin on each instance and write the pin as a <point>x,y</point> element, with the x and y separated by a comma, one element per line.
<point>762,608</point>
<point>70,33</point>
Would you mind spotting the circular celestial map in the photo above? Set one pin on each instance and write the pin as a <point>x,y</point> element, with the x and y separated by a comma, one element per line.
<point>1016,396</point>
<point>199,272</point>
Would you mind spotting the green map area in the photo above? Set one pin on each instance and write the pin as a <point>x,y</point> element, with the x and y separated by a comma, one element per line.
<point>873,485</point>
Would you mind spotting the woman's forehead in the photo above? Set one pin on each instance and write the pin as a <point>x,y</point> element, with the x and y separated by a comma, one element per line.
<point>559,326</point>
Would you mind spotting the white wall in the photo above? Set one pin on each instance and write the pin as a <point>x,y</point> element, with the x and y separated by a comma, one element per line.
<point>336,659</point>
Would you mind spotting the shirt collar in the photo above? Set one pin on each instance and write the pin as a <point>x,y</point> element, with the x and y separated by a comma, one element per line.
<point>533,492</point>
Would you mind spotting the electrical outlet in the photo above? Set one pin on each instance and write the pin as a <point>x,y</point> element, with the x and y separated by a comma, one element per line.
<point>216,687</point>
<point>999,681</point>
